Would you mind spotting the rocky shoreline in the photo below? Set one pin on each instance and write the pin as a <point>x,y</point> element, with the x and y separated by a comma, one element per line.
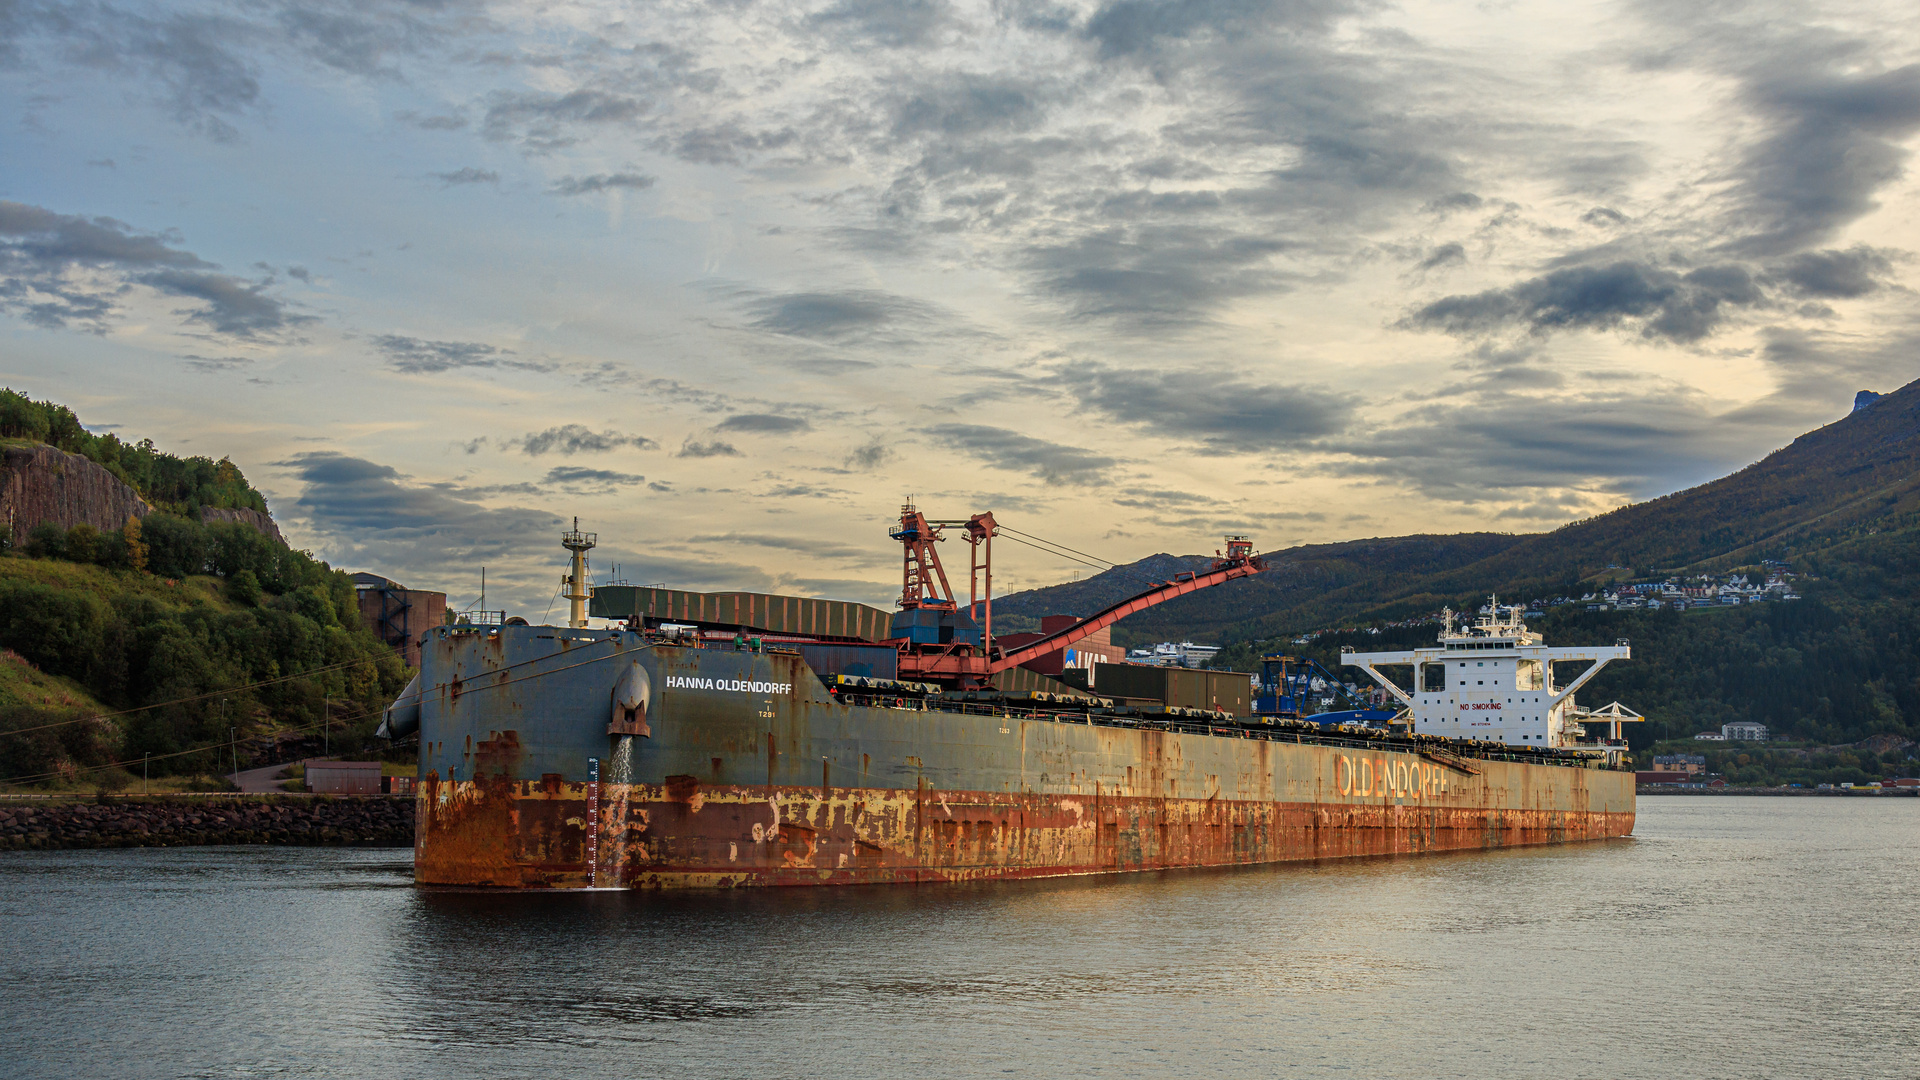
<point>338,821</point>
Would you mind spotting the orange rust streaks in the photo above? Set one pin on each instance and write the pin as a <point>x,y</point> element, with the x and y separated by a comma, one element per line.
<point>684,834</point>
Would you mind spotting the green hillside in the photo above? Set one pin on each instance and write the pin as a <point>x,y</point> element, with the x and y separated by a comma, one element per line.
<point>182,660</point>
<point>1840,507</point>
<point>181,485</point>
<point>201,641</point>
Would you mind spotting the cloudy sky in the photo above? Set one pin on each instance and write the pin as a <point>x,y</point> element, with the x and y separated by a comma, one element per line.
<point>729,279</point>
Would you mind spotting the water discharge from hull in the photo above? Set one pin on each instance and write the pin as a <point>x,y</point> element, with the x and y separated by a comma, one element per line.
<point>616,815</point>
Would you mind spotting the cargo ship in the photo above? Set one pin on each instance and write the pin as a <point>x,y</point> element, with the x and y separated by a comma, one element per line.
<point>717,740</point>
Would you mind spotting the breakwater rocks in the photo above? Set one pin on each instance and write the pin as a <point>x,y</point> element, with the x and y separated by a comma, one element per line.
<point>174,822</point>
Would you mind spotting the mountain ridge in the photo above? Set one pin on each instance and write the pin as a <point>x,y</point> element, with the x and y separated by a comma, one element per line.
<point>1858,475</point>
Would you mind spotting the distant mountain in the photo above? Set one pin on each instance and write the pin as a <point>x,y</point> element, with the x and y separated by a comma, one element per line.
<point>1855,477</point>
<point>1300,580</point>
<point>1841,505</point>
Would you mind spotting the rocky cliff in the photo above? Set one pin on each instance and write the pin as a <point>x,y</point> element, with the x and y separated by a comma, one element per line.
<point>255,518</point>
<point>39,483</point>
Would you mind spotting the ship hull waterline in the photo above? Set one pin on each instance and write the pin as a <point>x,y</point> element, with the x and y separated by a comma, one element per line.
<point>751,774</point>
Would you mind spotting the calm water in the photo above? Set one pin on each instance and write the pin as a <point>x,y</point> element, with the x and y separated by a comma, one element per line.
<point>1733,937</point>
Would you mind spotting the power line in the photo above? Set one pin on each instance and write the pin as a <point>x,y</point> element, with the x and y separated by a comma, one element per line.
<point>163,757</point>
<point>196,697</point>
<point>1110,563</point>
<point>1059,555</point>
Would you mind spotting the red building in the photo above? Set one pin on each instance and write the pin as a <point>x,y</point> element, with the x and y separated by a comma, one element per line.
<point>397,614</point>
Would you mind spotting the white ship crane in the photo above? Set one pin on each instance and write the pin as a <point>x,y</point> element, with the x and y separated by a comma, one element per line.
<point>1494,681</point>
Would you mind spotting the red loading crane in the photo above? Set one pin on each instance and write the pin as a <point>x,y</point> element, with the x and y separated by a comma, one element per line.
<point>962,661</point>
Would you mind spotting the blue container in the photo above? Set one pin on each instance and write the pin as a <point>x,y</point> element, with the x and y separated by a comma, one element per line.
<point>869,661</point>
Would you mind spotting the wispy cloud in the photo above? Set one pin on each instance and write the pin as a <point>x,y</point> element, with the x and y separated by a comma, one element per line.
<point>588,185</point>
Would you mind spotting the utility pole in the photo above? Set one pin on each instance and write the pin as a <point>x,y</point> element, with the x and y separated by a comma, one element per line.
<point>326,727</point>
<point>233,748</point>
<point>143,772</point>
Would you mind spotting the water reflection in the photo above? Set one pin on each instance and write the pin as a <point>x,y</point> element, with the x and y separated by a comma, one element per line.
<point>1739,929</point>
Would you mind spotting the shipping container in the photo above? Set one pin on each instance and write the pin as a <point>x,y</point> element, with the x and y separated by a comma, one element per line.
<point>343,777</point>
<point>760,611</point>
<point>1191,688</point>
<point>868,661</point>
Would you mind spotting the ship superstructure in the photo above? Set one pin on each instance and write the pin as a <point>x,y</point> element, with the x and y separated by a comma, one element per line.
<point>1494,680</point>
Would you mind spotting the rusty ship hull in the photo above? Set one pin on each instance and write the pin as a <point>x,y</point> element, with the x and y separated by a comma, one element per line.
<point>737,768</point>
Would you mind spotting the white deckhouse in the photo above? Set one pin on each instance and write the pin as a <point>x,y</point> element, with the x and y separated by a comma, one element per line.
<point>1494,681</point>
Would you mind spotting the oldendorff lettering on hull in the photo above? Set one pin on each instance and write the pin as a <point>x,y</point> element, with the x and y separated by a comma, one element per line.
<point>753,771</point>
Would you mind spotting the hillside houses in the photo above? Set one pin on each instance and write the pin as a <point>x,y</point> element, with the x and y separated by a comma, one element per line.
<point>1698,592</point>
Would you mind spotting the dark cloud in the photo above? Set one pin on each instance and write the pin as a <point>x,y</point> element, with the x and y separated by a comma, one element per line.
<point>362,38</point>
<point>1157,275</point>
<point>1444,255</point>
<point>1452,202</point>
<point>692,449</point>
<point>549,121</point>
<point>763,424</point>
<point>1604,217</point>
<point>967,104</point>
<point>1836,138</point>
<point>362,514</point>
<point>1135,27</point>
<point>468,175</point>
<point>205,66</point>
<point>234,307</point>
<point>419,356</point>
<point>893,23</point>
<point>44,257</point>
<point>571,439</point>
<point>434,123</point>
<point>1662,303</point>
<point>1159,498</point>
<point>1572,449</point>
<point>1011,450</point>
<point>1837,275</point>
<point>800,491</point>
<point>727,143</point>
<point>197,62</point>
<point>870,457</point>
<point>577,480</point>
<point>830,365</point>
<point>837,317</point>
<point>1223,411</point>
<point>57,241</point>
<point>587,185</point>
<point>216,365</point>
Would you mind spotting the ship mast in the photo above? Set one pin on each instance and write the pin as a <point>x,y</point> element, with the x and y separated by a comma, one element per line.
<point>575,582</point>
